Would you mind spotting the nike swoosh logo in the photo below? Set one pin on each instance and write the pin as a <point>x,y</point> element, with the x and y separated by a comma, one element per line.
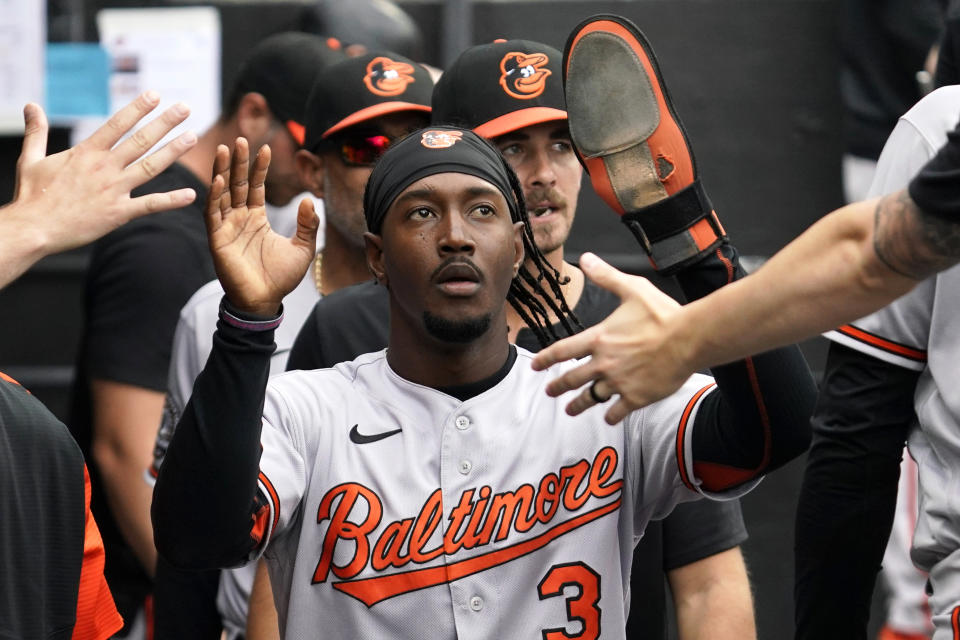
<point>361,438</point>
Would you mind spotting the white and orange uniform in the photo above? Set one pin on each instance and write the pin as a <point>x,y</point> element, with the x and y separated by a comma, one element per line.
<point>439,518</point>
<point>920,332</point>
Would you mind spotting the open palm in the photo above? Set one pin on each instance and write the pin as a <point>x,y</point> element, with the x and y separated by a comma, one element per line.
<point>256,266</point>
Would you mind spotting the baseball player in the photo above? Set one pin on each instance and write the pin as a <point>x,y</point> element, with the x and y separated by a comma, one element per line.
<point>511,93</point>
<point>52,583</point>
<point>888,379</point>
<point>433,489</point>
<point>348,123</point>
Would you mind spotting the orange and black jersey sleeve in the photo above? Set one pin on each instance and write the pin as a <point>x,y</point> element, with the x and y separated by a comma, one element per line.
<point>97,616</point>
<point>51,553</point>
<point>757,419</point>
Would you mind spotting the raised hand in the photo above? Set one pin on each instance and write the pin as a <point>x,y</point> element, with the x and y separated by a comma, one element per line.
<point>632,352</point>
<point>73,197</point>
<point>256,266</point>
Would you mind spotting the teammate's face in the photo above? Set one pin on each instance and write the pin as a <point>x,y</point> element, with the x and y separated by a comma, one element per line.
<point>447,251</point>
<point>544,161</point>
<point>343,183</point>
<point>282,182</point>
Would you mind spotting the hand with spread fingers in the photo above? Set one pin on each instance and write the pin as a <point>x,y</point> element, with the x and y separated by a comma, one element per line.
<point>256,266</point>
<point>631,353</point>
<point>73,197</point>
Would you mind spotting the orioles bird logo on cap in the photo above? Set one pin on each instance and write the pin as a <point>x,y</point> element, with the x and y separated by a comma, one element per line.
<point>386,77</point>
<point>523,75</point>
<point>440,139</point>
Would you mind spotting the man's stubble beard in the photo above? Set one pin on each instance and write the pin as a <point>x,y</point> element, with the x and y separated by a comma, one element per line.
<point>456,331</point>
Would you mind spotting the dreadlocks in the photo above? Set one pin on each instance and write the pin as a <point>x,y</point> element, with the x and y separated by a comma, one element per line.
<point>527,294</point>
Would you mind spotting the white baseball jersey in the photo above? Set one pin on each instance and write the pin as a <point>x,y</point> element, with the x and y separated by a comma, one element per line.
<point>920,332</point>
<point>398,511</point>
<point>192,343</point>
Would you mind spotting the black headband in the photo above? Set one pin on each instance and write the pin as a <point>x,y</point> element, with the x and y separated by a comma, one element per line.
<point>429,152</point>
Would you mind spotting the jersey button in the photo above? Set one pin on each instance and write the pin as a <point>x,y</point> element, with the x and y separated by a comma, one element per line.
<point>476,603</point>
<point>462,422</point>
<point>465,466</point>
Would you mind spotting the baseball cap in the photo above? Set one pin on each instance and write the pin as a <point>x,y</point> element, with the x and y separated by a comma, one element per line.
<point>501,87</point>
<point>363,88</point>
<point>283,68</point>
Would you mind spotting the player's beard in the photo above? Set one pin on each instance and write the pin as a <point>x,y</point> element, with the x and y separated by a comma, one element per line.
<point>547,237</point>
<point>456,331</point>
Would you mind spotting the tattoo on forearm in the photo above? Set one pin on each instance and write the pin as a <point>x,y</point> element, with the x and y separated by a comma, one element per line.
<point>910,242</point>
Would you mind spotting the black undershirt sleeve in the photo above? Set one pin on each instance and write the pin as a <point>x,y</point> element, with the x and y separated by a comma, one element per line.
<point>849,491</point>
<point>185,604</point>
<point>758,419</point>
<point>206,493</point>
<point>936,187</point>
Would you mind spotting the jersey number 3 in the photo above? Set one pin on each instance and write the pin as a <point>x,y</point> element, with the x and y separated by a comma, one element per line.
<point>582,606</point>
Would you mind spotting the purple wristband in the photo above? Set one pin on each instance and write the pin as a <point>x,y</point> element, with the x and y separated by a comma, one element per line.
<point>234,319</point>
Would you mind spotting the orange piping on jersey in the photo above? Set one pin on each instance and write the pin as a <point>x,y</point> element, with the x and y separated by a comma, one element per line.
<point>721,476</point>
<point>97,616</point>
<point>370,591</point>
<point>874,340</point>
<point>274,498</point>
<point>681,433</point>
<point>259,528</point>
<point>716,477</point>
<point>955,623</point>
<point>4,376</point>
<point>148,616</point>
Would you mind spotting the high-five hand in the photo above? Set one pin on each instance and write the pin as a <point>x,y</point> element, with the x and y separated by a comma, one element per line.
<point>632,352</point>
<point>256,266</point>
<point>73,197</point>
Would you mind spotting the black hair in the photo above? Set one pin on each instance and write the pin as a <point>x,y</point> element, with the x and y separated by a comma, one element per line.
<point>527,293</point>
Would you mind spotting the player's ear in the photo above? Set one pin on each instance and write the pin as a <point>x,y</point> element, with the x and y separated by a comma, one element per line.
<point>517,246</point>
<point>254,118</point>
<point>310,171</point>
<point>373,246</point>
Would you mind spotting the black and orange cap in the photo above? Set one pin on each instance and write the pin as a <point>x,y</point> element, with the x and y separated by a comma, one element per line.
<point>501,87</point>
<point>283,69</point>
<point>363,88</point>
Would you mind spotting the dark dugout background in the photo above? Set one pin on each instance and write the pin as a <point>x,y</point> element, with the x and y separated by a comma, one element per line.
<point>756,84</point>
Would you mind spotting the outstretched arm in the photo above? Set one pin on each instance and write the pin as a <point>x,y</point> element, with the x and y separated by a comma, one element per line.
<point>849,263</point>
<point>209,475</point>
<point>73,197</point>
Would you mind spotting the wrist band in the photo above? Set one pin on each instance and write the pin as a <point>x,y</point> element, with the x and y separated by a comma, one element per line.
<point>247,322</point>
